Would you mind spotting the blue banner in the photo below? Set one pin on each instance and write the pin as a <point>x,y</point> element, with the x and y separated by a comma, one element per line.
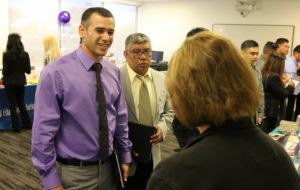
<point>5,121</point>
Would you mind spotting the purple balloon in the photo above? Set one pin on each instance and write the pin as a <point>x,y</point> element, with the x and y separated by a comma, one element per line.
<point>64,17</point>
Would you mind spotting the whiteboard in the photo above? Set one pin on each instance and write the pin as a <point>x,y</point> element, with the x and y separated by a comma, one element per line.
<point>238,33</point>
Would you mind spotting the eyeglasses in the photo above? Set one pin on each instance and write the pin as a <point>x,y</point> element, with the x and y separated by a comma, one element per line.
<point>139,52</point>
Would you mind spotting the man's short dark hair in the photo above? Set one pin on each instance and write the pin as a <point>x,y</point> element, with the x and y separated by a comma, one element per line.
<point>249,44</point>
<point>282,40</point>
<point>99,10</point>
<point>195,31</point>
<point>297,49</point>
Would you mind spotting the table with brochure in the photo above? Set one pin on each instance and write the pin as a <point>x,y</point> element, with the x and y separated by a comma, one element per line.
<point>287,134</point>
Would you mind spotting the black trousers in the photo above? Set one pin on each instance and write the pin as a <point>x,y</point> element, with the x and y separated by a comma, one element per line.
<point>141,176</point>
<point>290,114</point>
<point>15,96</point>
<point>297,110</point>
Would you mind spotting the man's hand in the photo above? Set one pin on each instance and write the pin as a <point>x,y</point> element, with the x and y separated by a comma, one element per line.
<point>125,169</point>
<point>58,188</point>
<point>157,137</point>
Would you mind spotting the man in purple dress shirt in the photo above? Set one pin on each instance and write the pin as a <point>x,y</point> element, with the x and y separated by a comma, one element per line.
<point>65,139</point>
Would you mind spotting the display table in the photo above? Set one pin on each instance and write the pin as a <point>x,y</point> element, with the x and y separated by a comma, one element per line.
<point>287,134</point>
<point>5,121</point>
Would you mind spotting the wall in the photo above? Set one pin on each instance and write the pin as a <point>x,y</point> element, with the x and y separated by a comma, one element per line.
<point>3,28</point>
<point>167,23</point>
<point>33,22</point>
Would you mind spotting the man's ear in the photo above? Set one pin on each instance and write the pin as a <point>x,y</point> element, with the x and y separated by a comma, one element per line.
<point>125,53</point>
<point>82,31</point>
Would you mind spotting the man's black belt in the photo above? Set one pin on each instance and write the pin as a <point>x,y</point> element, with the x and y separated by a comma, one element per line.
<point>75,162</point>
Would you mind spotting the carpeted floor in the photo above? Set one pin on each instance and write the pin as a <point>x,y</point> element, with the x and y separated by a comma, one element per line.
<point>16,169</point>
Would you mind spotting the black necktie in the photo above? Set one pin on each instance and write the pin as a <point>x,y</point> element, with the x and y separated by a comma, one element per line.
<point>103,127</point>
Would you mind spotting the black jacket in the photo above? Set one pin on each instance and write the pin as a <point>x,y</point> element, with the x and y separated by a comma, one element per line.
<point>234,156</point>
<point>14,68</point>
<point>275,93</point>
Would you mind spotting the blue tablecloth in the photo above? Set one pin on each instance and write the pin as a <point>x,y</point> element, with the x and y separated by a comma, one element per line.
<point>5,122</point>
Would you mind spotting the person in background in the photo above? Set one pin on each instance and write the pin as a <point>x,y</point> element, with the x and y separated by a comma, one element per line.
<point>269,48</point>
<point>51,49</point>
<point>292,63</point>
<point>250,50</point>
<point>138,54</point>
<point>276,88</point>
<point>65,137</point>
<point>182,133</point>
<point>291,68</point>
<point>283,50</point>
<point>194,31</point>
<point>283,47</point>
<point>212,88</point>
<point>16,63</point>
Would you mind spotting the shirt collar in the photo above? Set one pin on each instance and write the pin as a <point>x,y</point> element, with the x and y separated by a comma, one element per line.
<point>132,74</point>
<point>240,124</point>
<point>85,59</point>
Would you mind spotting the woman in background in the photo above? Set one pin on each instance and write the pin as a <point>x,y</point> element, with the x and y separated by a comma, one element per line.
<point>213,89</point>
<point>51,49</point>
<point>276,88</point>
<point>15,64</point>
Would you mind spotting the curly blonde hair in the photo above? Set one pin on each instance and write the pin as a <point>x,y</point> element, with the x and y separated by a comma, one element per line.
<point>209,81</point>
<point>51,49</point>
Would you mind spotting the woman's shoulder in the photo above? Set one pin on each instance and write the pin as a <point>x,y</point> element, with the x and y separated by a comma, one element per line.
<point>272,74</point>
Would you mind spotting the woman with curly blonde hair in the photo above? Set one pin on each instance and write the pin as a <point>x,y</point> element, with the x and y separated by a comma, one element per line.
<point>213,89</point>
<point>51,49</point>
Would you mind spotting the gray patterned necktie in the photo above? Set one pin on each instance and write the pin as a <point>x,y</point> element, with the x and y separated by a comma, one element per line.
<point>145,113</point>
<point>103,127</point>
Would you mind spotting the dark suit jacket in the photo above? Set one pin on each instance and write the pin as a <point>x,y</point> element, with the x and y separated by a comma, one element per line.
<point>14,68</point>
<point>275,93</point>
<point>234,156</point>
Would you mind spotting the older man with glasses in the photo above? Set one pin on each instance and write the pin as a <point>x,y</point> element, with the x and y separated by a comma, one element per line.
<point>147,104</point>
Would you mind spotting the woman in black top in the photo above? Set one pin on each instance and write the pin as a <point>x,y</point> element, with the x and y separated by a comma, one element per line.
<point>213,89</point>
<point>276,89</point>
<point>15,64</point>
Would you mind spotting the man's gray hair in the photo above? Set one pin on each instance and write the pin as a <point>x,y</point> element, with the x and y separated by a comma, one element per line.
<point>136,38</point>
